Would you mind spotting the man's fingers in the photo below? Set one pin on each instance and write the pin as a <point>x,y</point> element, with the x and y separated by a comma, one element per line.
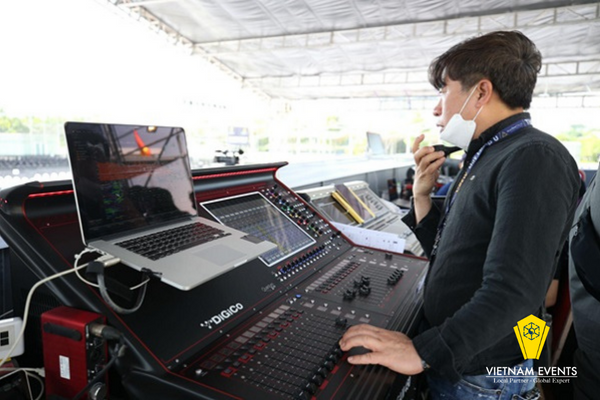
<point>367,358</point>
<point>428,157</point>
<point>390,349</point>
<point>434,167</point>
<point>368,341</point>
<point>362,330</point>
<point>417,142</point>
<point>421,153</point>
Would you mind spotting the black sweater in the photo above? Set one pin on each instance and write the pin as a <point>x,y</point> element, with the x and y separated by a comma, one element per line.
<point>498,251</point>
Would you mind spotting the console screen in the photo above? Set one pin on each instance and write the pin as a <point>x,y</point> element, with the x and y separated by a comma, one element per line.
<point>255,215</point>
<point>354,202</point>
<point>333,210</point>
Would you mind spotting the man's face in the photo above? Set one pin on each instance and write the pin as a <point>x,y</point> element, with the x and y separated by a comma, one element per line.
<point>452,98</point>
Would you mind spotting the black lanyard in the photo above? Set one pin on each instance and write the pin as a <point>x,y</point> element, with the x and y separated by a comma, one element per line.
<point>509,130</point>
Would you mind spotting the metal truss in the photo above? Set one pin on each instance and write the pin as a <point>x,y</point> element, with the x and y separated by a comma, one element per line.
<point>455,29</point>
<point>574,72</point>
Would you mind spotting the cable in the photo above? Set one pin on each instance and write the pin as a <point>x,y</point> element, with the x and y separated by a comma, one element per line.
<point>104,255</point>
<point>7,375</point>
<point>13,371</point>
<point>109,333</point>
<point>77,258</point>
<point>28,373</point>
<point>28,303</point>
<point>28,384</point>
<point>40,371</point>
<point>105,331</point>
<point>37,378</point>
<point>102,262</point>
<point>139,285</point>
<point>118,351</point>
<point>97,268</point>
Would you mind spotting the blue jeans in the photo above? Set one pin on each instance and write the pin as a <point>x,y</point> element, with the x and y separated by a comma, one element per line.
<point>483,387</point>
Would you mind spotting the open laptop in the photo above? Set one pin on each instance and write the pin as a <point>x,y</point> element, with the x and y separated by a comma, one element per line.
<point>376,146</point>
<point>135,200</point>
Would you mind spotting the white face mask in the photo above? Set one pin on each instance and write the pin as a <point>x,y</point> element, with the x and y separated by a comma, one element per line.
<point>458,131</point>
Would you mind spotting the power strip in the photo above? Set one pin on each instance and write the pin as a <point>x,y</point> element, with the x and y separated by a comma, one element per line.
<point>9,330</point>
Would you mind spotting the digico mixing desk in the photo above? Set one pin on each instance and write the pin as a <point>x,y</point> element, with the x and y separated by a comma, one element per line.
<point>268,329</point>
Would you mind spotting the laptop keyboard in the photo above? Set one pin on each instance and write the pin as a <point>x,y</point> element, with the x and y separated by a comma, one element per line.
<point>161,244</point>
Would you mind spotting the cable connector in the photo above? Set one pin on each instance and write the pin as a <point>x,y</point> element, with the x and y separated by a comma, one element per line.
<point>151,273</point>
<point>97,266</point>
<point>105,331</point>
<point>108,261</point>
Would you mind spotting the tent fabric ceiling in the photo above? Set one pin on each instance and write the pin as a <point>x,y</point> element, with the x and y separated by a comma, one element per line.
<point>308,49</point>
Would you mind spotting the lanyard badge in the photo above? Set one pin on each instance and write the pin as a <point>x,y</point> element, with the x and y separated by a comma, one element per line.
<point>508,131</point>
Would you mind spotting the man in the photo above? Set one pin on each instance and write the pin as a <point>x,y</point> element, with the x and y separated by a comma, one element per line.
<point>493,248</point>
<point>584,280</point>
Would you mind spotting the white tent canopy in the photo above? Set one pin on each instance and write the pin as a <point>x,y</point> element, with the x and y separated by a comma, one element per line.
<point>308,49</point>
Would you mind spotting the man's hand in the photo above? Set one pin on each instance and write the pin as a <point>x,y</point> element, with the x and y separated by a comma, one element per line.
<point>390,349</point>
<point>428,163</point>
<point>427,171</point>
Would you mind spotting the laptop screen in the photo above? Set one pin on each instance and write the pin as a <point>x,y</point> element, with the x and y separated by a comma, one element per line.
<point>128,177</point>
<point>375,142</point>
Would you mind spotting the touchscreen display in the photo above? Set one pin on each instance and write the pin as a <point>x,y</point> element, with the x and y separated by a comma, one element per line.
<point>354,201</point>
<point>255,215</point>
<point>333,210</point>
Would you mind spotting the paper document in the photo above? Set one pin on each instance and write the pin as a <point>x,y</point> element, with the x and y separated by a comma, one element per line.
<point>378,240</point>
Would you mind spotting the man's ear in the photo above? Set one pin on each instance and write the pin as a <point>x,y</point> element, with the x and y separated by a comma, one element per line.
<point>485,91</point>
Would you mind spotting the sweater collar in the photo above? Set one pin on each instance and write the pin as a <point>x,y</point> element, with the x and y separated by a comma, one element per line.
<point>486,135</point>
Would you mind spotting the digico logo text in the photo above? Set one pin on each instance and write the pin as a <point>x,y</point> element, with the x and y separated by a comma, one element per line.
<point>222,316</point>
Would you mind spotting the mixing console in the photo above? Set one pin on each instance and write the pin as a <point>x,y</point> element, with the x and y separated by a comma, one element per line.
<point>268,329</point>
<point>387,216</point>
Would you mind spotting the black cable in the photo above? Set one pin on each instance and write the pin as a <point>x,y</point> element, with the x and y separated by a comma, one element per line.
<point>118,351</point>
<point>115,306</point>
<point>97,267</point>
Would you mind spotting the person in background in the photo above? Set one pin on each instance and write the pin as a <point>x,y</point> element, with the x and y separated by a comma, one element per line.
<point>494,247</point>
<point>584,285</point>
<point>563,260</point>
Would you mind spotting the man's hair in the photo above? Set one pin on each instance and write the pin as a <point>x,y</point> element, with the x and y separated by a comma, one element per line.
<point>507,58</point>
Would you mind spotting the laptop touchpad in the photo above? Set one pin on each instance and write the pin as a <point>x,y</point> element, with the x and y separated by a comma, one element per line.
<point>219,254</point>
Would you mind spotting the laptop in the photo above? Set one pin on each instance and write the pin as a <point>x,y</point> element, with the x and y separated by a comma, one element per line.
<point>135,200</point>
<point>375,143</point>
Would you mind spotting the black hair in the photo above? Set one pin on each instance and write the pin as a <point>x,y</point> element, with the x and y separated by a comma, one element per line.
<point>509,59</point>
